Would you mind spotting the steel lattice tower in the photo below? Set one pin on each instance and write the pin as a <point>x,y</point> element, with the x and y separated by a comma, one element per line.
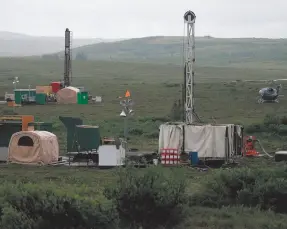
<point>68,66</point>
<point>189,59</point>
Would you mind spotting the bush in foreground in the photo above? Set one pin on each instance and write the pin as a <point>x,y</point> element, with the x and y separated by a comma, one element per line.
<point>232,218</point>
<point>251,188</point>
<point>33,207</point>
<point>271,124</point>
<point>150,199</point>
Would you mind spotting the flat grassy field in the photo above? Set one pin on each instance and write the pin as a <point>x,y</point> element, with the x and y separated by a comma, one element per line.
<point>222,95</point>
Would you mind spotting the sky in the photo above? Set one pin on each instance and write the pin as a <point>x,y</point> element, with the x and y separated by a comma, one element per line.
<point>140,18</point>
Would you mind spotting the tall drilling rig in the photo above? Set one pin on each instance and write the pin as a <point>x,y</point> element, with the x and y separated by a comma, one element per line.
<point>67,64</point>
<point>189,115</point>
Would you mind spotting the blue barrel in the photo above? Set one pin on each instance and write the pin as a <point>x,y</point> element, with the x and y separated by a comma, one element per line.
<point>193,157</point>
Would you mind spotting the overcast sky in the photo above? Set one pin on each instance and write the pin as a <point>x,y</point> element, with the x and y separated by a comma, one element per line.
<point>139,18</point>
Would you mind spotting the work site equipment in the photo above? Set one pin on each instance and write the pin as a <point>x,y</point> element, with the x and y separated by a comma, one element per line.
<point>249,146</point>
<point>33,147</point>
<point>87,138</point>
<point>25,96</point>
<point>169,156</point>
<point>56,86</point>
<point>269,94</point>
<point>23,120</point>
<point>249,149</point>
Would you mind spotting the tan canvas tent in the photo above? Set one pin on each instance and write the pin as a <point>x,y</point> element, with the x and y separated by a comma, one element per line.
<point>67,95</point>
<point>33,147</point>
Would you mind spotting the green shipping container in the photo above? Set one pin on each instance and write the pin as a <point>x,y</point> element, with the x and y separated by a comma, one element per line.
<point>19,93</point>
<point>44,126</point>
<point>88,137</point>
<point>83,97</point>
<point>7,129</point>
<point>41,98</point>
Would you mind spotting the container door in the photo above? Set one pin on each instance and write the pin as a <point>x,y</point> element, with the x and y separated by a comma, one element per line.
<point>79,97</point>
<point>84,98</point>
<point>17,97</point>
<point>41,99</point>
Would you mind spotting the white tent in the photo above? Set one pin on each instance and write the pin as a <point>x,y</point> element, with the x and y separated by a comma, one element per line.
<point>170,136</point>
<point>67,95</point>
<point>33,147</point>
<point>209,141</point>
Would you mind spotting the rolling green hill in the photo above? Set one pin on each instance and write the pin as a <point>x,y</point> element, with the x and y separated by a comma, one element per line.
<point>209,51</point>
<point>15,44</point>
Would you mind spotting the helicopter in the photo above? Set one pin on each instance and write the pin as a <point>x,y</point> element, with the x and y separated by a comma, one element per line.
<point>269,94</point>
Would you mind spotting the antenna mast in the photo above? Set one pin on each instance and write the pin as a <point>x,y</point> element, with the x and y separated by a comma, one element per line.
<point>189,59</point>
<point>67,66</point>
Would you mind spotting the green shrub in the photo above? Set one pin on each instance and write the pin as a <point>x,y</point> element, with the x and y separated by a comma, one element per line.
<point>148,199</point>
<point>136,131</point>
<point>32,206</point>
<point>271,123</point>
<point>262,187</point>
<point>255,128</point>
<point>273,195</point>
<point>154,134</point>
<point>222,187</point>
<point>232,218</point>
<point>13,219</point>
<point>271,119</point>
<point>282,130</point>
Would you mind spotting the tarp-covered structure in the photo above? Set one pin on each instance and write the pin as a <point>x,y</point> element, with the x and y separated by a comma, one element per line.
<point>70,124</point>
<point>33,147</point>
<point>67,95</point>
<point>221,141</point>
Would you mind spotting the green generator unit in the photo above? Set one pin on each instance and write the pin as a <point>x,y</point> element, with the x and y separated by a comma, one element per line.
<point>41,98</point>
<point>83,97</point>
<point>44,126</point>
<point>24,95</point>
<point>88,138</point>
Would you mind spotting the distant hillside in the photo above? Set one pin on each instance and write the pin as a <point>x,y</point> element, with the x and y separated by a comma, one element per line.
<point>209,51</point>
<point>15,44</point>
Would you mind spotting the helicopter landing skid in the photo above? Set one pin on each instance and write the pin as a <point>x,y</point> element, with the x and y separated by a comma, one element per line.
<point>267,101</point>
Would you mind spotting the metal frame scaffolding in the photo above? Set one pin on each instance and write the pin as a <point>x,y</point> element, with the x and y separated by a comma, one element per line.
<point>189,115</point>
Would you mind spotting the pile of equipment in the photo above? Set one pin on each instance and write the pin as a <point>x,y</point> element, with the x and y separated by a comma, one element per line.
<point>249,149</point>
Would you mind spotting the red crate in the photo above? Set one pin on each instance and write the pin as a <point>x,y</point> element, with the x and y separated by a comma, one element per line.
<point>169,156</point>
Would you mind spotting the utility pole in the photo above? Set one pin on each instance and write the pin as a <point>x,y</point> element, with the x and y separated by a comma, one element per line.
<point>127,104</point>
<point>15,82</point>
